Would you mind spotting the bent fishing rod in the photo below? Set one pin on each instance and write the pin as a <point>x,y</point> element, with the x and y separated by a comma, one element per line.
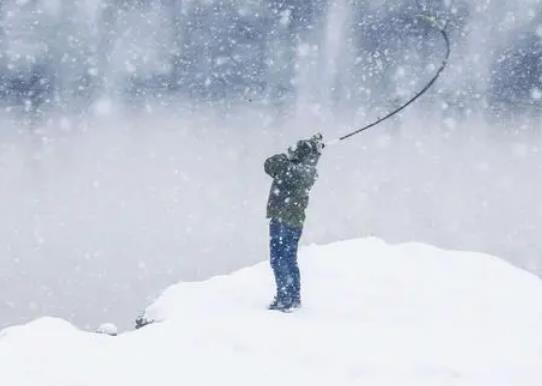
<point>442,30</point>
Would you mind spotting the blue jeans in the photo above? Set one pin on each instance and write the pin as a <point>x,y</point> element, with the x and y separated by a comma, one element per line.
<point>284,242</point>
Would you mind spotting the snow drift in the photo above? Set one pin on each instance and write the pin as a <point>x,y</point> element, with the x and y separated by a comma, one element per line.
<point>373,314</point>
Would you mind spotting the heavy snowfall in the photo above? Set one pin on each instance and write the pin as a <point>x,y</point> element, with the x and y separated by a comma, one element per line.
<point>133,135</point>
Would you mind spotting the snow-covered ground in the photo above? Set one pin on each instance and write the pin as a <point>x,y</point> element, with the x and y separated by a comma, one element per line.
<point>374,314</point>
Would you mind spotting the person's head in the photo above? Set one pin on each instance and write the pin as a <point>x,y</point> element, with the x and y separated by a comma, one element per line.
<point>307,150</point>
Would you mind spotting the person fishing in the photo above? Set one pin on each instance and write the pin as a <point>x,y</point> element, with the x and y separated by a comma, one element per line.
<point>293,175</point>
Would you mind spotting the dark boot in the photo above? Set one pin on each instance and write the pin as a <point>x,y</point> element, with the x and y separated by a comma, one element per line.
<point>283,305</point>
<point>296,303</point>
<point>274,304</point>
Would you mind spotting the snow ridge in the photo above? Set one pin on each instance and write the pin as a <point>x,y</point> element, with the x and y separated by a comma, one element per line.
<point>373,314</point>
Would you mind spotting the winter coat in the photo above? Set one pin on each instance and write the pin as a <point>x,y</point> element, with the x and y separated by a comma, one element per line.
<point>293,177</point>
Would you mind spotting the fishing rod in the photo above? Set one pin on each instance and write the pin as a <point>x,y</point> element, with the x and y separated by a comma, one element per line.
<point>442,30</point>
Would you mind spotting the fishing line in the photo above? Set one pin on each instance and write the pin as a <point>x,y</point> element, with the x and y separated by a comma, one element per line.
<point>442,30</point>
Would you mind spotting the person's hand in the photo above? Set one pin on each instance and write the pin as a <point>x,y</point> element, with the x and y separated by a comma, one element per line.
<point>318,140</point>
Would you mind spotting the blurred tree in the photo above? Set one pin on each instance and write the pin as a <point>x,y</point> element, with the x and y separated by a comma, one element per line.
<point>66,54</point>
<point>516,77</point>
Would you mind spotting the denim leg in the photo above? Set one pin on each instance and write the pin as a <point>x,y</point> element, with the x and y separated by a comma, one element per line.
<point>279,259</point>
<point>284,243</point>
<point>294,277</point>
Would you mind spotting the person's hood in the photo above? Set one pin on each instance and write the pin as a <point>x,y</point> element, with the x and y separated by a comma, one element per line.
<point>307,150</point>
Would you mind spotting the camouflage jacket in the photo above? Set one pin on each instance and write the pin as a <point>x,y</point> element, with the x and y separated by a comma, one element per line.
<point>293,178</point>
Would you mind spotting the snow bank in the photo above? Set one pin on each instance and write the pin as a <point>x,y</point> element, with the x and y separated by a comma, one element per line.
<point>373,314</point>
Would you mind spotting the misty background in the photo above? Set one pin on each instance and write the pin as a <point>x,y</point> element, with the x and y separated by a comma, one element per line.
<point>133,134</point>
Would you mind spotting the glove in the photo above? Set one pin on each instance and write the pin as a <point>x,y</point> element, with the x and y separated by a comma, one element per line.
<point>318,141</point>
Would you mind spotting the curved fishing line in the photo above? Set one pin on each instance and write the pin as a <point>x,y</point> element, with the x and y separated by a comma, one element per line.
<point>442,30</point>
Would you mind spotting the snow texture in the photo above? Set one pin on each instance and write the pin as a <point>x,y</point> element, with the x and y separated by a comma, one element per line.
<point>374,314</point>
<point>108,328</point>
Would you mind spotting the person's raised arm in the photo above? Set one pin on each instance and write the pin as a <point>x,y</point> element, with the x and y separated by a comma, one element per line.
<point>276,165</point>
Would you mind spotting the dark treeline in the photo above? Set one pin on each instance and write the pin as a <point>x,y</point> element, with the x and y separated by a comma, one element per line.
<point>63,55</point>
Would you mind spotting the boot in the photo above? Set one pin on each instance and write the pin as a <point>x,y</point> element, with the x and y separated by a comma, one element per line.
<point>296,303</point>
<point>282,305</point>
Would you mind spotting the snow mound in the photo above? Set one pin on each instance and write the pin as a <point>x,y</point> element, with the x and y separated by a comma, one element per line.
<point>374,314</point>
